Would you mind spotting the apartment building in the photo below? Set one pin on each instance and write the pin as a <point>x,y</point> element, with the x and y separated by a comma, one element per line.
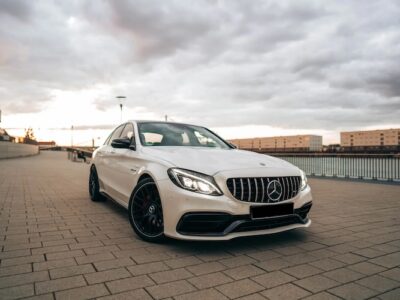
<point>372,138</point>
<point>281,143</point>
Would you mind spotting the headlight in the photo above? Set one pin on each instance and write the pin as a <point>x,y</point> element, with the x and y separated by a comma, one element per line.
<point>195,182</point>
<point>303,180</point>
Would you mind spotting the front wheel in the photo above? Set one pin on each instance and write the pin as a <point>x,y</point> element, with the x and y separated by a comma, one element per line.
<point>145,211</point>
<point>94,187</point>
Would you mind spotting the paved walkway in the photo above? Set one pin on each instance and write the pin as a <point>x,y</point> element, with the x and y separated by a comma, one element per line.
<point>56,243</point>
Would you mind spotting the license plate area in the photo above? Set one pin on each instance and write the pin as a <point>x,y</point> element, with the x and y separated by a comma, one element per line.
<point>267,211</point>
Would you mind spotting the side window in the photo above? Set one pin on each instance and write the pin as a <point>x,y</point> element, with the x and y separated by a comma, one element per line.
<point>128,131</point>
<point>116,134</point>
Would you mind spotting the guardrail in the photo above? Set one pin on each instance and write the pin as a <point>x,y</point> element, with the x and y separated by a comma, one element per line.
<point>86,151</point>
<point>348,166</point>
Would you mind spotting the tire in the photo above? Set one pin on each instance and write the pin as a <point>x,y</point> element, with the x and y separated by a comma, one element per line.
<point>145,212</point>
<point>94,187</point>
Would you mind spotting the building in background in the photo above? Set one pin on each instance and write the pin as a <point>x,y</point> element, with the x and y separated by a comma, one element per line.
<point>5,137</point>
<point>43,145</point>
<point>19,139</point>
<point>383,140</point>
<point>295,143</point>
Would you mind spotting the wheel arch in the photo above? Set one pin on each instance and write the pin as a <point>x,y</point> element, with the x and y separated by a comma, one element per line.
<point>145,176</point>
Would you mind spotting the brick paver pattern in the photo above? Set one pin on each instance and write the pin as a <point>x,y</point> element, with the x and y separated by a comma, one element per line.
<point>57,244</point>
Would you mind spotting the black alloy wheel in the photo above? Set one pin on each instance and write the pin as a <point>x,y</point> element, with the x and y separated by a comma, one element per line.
<point>94,187</point>
<point>145,211</point>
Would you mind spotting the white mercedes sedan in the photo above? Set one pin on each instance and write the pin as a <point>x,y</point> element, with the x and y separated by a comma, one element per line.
<point>186,182</point>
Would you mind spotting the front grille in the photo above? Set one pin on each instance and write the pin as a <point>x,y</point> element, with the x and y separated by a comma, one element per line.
<point>255,189</point>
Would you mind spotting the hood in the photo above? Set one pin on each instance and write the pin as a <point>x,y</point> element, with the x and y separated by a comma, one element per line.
<point>211,161</point>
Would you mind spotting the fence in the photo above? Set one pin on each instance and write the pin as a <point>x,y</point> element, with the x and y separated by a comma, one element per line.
<point>361,167</point>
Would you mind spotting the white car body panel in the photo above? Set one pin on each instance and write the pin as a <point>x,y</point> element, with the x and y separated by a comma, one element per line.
<point>120,169</point>
<point>210,161</point>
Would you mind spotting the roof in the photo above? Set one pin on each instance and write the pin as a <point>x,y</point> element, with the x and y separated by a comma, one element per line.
<point>158,121</point>
<point>3,132</point>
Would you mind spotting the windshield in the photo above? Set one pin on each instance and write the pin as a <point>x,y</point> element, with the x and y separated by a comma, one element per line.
<point>170,134</point>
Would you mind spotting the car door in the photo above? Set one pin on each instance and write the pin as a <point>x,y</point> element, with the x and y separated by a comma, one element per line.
<point>125,166</point>
<point>100,153</point>
<point>104,167</point>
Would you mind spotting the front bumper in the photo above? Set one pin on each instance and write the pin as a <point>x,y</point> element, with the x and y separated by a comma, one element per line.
<point>186,214</point>
<point>222,224</point>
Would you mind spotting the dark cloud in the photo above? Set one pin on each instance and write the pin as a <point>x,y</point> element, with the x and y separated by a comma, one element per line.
<point>20,9</point>
<point>28,98</point>
<point>303,64</point>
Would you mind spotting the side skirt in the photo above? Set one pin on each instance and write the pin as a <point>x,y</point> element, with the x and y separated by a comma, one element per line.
<point>121,203</point>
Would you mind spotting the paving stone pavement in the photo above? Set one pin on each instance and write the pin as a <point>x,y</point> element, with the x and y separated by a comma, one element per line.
<point>57,244</point>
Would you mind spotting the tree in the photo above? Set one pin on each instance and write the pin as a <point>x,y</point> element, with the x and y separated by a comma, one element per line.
<point>30,137</point>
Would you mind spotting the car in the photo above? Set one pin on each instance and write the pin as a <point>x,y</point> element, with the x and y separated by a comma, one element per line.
<point>185,182</point>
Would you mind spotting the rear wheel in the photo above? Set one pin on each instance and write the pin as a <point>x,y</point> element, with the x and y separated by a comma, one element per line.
<point>94,187</point>
<point>145,211</point>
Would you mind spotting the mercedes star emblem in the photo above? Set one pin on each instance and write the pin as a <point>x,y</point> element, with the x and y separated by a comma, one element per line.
<point>274,190</point>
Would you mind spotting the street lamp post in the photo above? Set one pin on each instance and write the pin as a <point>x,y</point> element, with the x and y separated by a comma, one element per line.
<point>72,136</point>
<point>93,142</point>
<point>120,103</point>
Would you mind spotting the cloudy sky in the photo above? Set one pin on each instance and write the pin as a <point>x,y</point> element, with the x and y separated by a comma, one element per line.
<point>243,68</point>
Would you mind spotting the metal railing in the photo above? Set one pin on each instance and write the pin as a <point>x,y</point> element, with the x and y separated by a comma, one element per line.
<point>361,167</point>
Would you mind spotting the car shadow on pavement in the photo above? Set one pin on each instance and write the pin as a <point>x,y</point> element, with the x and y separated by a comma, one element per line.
<point>241,243</point>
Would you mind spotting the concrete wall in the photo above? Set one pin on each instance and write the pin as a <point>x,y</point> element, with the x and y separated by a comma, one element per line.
<point>9,150</point>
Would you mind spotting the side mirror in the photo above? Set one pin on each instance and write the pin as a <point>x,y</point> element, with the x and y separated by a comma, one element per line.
<point>124,143</point>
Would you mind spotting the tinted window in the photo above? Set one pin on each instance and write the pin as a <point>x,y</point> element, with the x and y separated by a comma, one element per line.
<point>128,131</point>
<point>108,139</point>
<point>116,134</point>
<point>170,134</point>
